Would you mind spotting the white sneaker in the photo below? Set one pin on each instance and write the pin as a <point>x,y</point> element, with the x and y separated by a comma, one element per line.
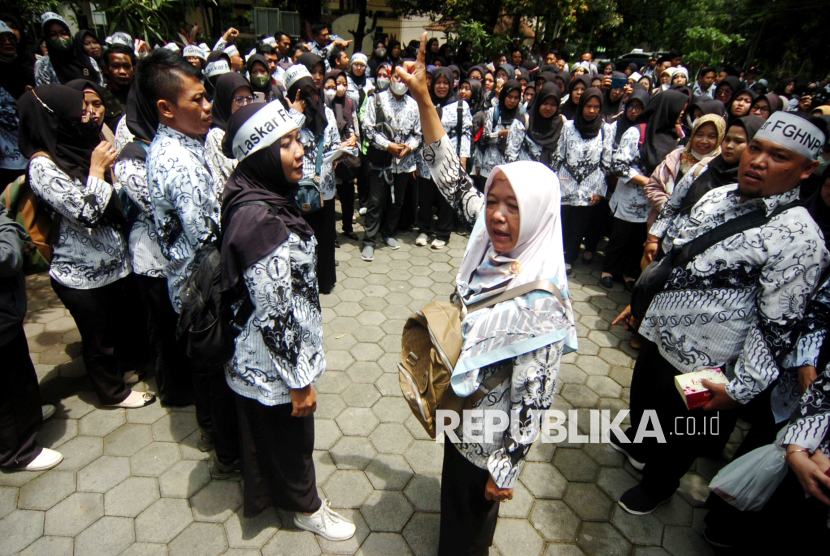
<point>438,244</point>
<point>47,410</point>
<point>421,240</point>
<point>46,459</point>
<point>362,211</point>
<point>327,523</point>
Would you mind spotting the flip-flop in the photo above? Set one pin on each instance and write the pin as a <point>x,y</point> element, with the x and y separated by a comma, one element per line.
<point>145,400</point>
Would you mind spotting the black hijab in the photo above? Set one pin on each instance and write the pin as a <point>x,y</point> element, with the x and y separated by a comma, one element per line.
<point>718,173</point>
<point>734,84</point>
<point>315,112</point>
<point>661,115</point>
<point>774,101</point>
<point>451,97</point>
<point>142,121</point>
<point>258,177</point>
<point>476,99</point>
<point>507,116</point>
<point>589,129</point>
<point>612,108</point>
<point>545,131</point>
<point>309,60</point>
<point>752,95</point>
<point>82,34</point>
<point>19,73</point>
<point>570,108</point>
<point>58,132</point>
<point>226,86</point>
<point>210,82</point>
<point>341,106</point>
<point>623,123</point>
<point>782,85</point>
<point>508,69</point>
<point>271,91</point>
<point>73,63</point>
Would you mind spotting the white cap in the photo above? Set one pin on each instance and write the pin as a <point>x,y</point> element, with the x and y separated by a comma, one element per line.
<point>121,38</point>
<point>193,50</point>
<point>794,133</point>
<point>217,67</point>
<point>262,130</point>
<point>51,16</point>
<point>294,74</point>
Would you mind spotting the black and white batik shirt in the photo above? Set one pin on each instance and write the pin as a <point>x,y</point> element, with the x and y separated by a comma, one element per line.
<point>582,164</point>
<point>629,201</point>
<point>405,120</point>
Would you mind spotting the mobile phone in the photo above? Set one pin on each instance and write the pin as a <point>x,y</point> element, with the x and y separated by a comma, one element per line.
<point>619,82</point>
<point>259,97</point>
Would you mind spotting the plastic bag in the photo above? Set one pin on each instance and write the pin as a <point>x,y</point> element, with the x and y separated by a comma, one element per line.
<point>749,481</point>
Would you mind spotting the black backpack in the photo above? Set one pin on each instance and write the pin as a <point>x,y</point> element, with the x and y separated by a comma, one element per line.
<point>207,328</point>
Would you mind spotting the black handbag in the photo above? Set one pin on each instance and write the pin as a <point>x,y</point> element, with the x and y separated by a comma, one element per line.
<point>653,279</point>
<point>309,197</point>
<point>380,158</point>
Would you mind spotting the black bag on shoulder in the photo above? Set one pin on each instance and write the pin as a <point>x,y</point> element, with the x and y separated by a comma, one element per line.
<point>377,157</point>
<point>653,279</point>
<point>207,328</point>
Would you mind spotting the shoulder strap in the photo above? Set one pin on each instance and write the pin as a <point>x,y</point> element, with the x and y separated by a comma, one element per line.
<point>642,128</point>
<point>684,254</point>
<point>496,115</point>
<point>459,126</point>
<point>321,144</point>
<point>543,285</point>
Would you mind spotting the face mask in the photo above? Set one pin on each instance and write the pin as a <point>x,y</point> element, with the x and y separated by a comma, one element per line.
<point>380,52</point>
<point>398,87</point>
<point>260,81</point>
<point>329,94</point>
<point>383,84</point>
<point>61,44</point>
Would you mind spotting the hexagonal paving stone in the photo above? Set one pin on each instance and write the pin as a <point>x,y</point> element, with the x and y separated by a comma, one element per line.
<point>147,415</point>
<point>366,352</point>
<point>163,520</point>
<point>333,382</point>
<point>353,452</point>
<point>615,357</point>
<point>676,512</point>
<point>604,386</point>
<point>391,438</point>
<point>425,456</point>
<point>131,497</point>
<point>74,514</point>
<point>329,406</point>
<point>217,501</point>
<point>292,542</point>
<point>18,530</point>
<point>184,479</point>
<point>388,472</point>
<point>324,465</point>
<point>80,451</point>
<point>602,538</point>
<point>199,539</point>
<point>643,530</point>
<point>347,489</point>
<point>154,459</point>
<point>386,511</point>
<point>517,537</point>
<point>575,465</point>
<point>520,505</point>
<point>360,395</point>
<point>326,433</point>
<point>593,365</point>
<point>579,395</point>
<point>103,474</point>
<point>683,541</point>
<point>392,409</point>
<point>101,422</point>
<point>174,426</point>
<point>109,536</point>
<point>554,520</point>
<point>127,440</point>
<point>622,375</point>
<point>389,386</point>
<point>8,500</point>
<point>694,489</point>
<point>588,501</point>
<point>384,543</point>
<point>45,491</point>
<point>56,432</point>
<point>254,532</point>
<point>421,533</point>
<point>357,421</point>
<point>615,481</point>
<point>50,546</point>
<point>365,372</point>
<point>543,480</point>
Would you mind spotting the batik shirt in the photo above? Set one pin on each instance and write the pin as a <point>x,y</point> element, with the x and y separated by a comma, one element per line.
<point>45,73</point>
<point>810,422</point>
<point>331,141</point>
<point>145,247</point>
<point>738,302</point>
<point>220,166</point>
<point>494,154</point>
<point>671,219</point>
<point>10,157</point>
<point>90,252</point>
<point>185,202</point>
<point>582,164</point>
<point>519,144</point>
<point>530,390</point>
<point>405,120</point>
<point>449,119</point>
<point>123,136</point>
<point>629,201</point>
<point>281,347</point>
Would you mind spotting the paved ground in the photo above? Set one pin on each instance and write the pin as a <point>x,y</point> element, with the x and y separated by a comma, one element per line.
<point>133,483</point>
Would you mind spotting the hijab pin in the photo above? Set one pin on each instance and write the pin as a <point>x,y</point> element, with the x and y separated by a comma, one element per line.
<point>515,267</point>
<point>42,103</point>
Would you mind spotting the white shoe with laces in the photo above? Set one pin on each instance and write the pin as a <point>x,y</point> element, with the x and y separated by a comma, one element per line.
<point>327,523</point>
<point>421,240</point>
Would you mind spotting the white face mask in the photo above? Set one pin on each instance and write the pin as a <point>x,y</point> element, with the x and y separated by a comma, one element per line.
<point>398,87</point>
<point>329,94</point>
<point>380,52</point>
<point>382,83</point>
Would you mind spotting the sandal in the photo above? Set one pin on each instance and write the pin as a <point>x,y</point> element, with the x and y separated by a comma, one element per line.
<point>144,400</point>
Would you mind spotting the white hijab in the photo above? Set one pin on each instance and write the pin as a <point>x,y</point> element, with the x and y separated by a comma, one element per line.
<point>529,322</point>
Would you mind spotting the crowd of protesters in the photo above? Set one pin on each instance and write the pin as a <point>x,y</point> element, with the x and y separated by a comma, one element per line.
<point>143,154</point>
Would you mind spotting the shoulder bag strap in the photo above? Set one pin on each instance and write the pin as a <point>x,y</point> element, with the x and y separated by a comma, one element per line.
<point>686,253</point>
<point>543,285</point>
<point>321,144</point>
<point>459,126</point>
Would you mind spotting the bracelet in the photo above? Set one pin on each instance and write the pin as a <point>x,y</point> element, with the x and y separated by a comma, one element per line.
<point>787,454</point>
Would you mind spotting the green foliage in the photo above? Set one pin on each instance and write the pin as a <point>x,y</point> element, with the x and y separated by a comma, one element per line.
<point>29,12</point>
<point>705,46</point>
<point>485,44</point>
<point>154,21</point>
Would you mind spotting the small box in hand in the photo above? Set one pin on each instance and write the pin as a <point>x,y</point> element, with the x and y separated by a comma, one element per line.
<point>690,386</point>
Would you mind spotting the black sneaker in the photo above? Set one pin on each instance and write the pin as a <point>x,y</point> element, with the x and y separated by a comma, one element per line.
<point>220,471</point>
<point>720,538</point>
<point>607,282</point>
<point>623,449</point>
<point>637,501</point>
<point>205,443</point>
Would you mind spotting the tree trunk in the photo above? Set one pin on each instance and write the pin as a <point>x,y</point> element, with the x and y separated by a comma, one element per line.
<point>491,12</point>
<point>360,32</point>
<point>517,25</point>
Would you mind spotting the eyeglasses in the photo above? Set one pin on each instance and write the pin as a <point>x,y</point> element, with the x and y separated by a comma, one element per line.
<point>761,109</point>
<point>242,101</point>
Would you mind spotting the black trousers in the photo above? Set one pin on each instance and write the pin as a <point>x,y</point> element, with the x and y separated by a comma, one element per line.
<point>383,213</point>
<point>409,209</point>
<point>172,367</point>
<point>601,225</point>
<point>468,519</point>
<point>688,434</point>
<point>98,315</point>
<point>322,222</point>
<point>20,414</point>
<point>625,249</point>
<point>345,190</point>
<point>363,181</point>
<point>428,197</point>
<point>575,222</point>
<point>216,410</point>
<point>276,458</point>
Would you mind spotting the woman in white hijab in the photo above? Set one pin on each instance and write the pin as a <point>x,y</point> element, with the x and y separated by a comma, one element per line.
<point>516,240</point>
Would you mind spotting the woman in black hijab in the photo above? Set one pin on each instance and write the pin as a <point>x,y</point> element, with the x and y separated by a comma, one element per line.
<point>315,66</point>
<point>662,134</point>
<point>233,92</point>
<point>543,129</point>
<point>90,259</point>
<point>18,72</point>
<point>96,104</point>
<point>91,45</point>
<point>432,51</point>
<point>267,257</point>
<point>577,87</point>
<point>259,77</point>
<point>612,102</point>
<point>15,77</point>
<point>218,64</point>
<point>727,89</point>
<point>67,59</point>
